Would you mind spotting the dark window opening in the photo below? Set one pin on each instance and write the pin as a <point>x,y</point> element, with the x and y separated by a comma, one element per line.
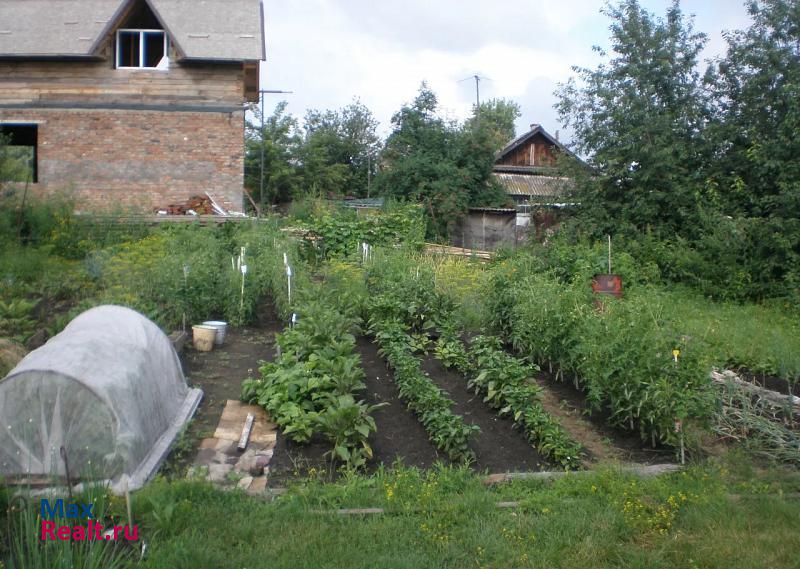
<point>141,17</point>
<point>141,48</point>
<point>128,49</point>
<point>18,153</point>
<point>154,48</point>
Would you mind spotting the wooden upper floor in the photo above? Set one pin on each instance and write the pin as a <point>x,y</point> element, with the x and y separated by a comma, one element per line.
<point>535,148</point>
<point>130,52</point>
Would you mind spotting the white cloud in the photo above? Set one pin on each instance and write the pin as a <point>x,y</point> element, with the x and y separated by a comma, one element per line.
<point>328,51</point>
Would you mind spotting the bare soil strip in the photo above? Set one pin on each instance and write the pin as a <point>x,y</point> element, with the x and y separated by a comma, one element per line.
<point>499,447</point>
<point>604,443</point>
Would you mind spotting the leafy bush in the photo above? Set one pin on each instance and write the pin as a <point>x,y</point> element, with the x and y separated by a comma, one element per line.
<point>622,355</point>
<point>343,231</point>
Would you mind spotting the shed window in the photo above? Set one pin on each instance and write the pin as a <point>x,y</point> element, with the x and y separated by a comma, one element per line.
<point>137,49</point>
<point>18,153</point>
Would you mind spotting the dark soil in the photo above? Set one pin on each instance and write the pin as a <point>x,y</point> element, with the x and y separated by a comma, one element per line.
<point>499,447</point>
<point>619,444</point>
<point>220,373</point>
<point>399,436</point>
<point>770,382</point>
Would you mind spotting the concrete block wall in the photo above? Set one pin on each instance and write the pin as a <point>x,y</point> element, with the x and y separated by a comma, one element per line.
<point>138,159</point>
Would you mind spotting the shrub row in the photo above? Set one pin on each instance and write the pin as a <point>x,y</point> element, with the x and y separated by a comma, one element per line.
<point>627,355</point>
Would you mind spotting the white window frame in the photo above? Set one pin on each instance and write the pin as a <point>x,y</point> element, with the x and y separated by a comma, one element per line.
<point>141,33</point>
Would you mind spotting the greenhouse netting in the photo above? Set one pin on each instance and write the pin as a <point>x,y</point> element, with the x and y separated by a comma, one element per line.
<point>102,400</point>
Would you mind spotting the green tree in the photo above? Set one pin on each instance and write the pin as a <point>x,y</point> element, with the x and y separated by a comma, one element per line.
<point>15,161</point>
<point>757,118</point>
<point>755,126</point>
<point>281,141</point>
<point>639,118</point>
<point>339,150</point>
<point>437,163</point>
<point>497,116</point>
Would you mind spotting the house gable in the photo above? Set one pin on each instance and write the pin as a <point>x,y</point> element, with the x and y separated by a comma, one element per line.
<point>202,30</point>
<point>535,148</point>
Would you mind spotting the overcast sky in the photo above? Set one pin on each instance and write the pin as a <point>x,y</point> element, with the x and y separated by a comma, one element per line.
<point>329,51</point>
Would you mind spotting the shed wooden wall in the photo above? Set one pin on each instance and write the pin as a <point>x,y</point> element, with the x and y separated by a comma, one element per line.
<point>535,152</point>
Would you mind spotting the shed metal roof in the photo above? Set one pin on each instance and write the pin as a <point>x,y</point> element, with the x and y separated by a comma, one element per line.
<point>533,185</point>
<point>212,30</point>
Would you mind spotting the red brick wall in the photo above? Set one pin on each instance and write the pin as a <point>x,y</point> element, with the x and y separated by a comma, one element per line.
<point>138,159</point>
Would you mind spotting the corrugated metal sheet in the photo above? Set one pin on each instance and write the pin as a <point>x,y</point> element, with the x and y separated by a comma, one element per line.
<point>202,29</point>
<point>531,185</point>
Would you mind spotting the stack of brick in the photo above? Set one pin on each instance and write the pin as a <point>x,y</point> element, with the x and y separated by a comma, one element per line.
<point>198,204</point>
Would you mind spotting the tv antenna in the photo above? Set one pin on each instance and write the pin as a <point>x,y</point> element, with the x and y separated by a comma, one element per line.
<point>478,80</point>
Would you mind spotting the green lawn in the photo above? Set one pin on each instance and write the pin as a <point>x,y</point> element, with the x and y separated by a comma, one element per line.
<point>705,517</point>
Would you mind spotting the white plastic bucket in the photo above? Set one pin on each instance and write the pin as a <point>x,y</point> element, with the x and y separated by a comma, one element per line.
<point>204,337</point>
<point>222,329</point>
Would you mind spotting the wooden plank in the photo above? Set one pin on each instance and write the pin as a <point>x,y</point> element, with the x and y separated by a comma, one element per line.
<point>248,426</point>
<point>643,471</point>
<point>89,80</point>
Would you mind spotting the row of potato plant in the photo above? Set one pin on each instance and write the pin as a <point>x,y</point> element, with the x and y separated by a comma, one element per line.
<point>311,388</point>
<point>627,355</point>
<point>403,308</point>
<point>447,431</point>
<point>506,384</point>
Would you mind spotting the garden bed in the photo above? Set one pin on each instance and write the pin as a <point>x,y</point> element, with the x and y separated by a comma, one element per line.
<point>400,436</point>
<point>622,445</point>
<point>499,447</point>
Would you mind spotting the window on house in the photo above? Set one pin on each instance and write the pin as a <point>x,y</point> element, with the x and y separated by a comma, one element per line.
<point>18,153</point>
<point>137,49</point>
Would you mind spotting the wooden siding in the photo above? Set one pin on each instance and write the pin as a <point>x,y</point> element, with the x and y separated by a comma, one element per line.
<point>87,82</point>
<point>535,152</point>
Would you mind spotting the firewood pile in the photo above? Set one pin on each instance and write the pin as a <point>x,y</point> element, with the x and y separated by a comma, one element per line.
<point>196,205</point>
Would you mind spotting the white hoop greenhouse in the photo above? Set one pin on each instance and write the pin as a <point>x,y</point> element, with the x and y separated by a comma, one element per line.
<point>108,389</point>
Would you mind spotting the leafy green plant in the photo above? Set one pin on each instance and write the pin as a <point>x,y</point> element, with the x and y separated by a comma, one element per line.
<point>16,320</point>
<point>310,388</point>
<point>506,384</point>
<point>348,424</point>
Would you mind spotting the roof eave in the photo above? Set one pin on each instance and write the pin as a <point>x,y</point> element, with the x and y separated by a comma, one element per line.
<point>50,57</point>
<point>228,60</point>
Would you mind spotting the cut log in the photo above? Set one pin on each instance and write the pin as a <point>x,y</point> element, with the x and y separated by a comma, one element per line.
<point>772,397</point>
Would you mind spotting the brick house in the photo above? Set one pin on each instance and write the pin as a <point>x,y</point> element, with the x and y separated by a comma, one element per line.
<point>130,102</point>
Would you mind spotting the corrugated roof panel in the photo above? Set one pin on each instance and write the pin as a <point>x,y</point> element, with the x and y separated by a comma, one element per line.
<point>529,185</point>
